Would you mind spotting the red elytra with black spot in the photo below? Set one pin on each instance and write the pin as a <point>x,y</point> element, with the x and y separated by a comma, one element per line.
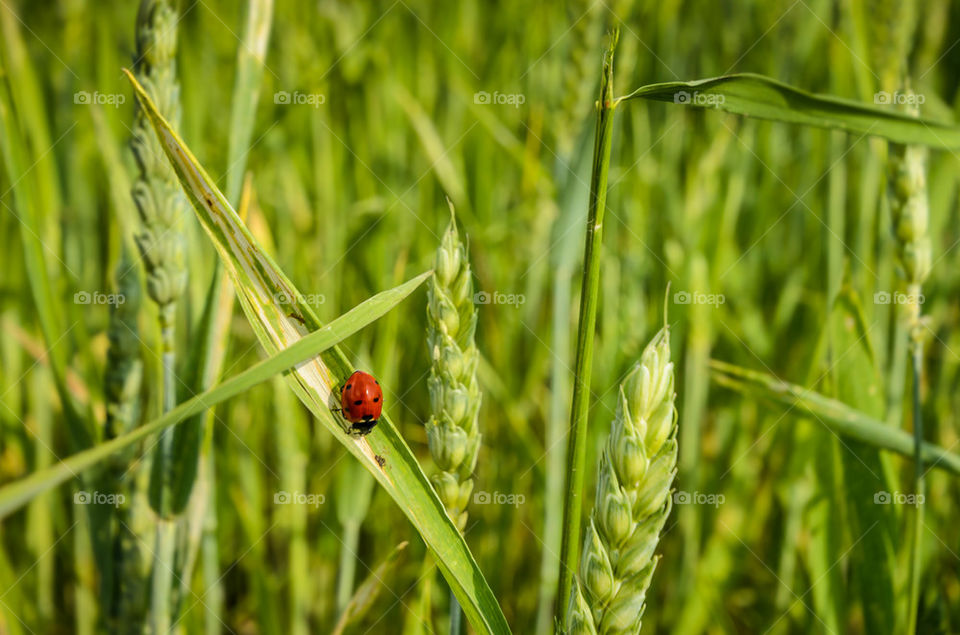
<point>362,401</point>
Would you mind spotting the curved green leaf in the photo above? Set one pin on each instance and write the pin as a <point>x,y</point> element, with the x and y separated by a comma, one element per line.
<point>839,417</point>
<point>280,316</point>
<point>15,494</point>
<point>765,98</point>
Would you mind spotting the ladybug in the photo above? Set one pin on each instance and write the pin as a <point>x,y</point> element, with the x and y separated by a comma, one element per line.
<point>361,400</point>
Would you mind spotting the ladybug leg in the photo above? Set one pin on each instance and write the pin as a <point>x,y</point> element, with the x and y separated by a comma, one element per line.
<point>342,386</point>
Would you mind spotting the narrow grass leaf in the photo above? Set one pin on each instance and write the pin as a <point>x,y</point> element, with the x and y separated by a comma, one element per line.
<point>368,591</point>
<point>856,381</point>
<point>280,317</point>
<point>766,98</point>
<point>839,417</point>
<point>18,163</point>
<point>15,494</point>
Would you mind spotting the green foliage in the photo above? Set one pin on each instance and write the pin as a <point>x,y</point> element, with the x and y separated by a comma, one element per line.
<point>345,127</point>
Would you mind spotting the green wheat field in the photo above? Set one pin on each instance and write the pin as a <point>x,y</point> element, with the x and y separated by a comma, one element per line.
<point>662,297</point>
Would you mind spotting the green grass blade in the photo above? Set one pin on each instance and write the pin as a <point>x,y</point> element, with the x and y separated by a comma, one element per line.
<point>246,91</point>
<point>362,601</point>
<point>29,213</point>
<point>434,146</point>
<point>871,527</point>
<point>839,417</point>
<point>579,410</point>
<point>765,98</point>
<point>278,315</point>
<point>15,494</point>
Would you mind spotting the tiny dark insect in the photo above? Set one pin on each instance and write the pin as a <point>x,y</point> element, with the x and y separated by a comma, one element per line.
<point>380,460</point>
<point>298,318</point>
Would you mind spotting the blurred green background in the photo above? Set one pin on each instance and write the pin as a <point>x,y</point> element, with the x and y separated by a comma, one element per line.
<point>370,114</point>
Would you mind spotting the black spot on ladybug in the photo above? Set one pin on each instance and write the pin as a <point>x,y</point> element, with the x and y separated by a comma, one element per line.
<point>357,402</point>
<point>348,386</point>
<point>367,417</point>
<point>376,399</point>
<point>376,382</point>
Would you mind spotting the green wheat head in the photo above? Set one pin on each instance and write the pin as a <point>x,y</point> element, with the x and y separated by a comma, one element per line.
<point>156,192</point>
<point>910,215</point>
<point>452,431</point>
<point>124,372</point>
<point>124,606</point>
<point>637,468</point>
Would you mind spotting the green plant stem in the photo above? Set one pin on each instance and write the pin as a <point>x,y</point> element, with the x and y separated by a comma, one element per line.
<point>918,487</point>
<point>162,582</point>
<point>348,565</point>
<point>166,437</point>
<point>166,541</point>
<point>456,616</point>
<point>213,604</point>
<point>576,455</point>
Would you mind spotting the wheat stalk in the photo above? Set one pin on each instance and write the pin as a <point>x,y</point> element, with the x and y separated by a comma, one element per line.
<point>160,205</point>
<point>124,587</point>
<point>452,431</point>
<point>637,468</point>
<point>910,213</point>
